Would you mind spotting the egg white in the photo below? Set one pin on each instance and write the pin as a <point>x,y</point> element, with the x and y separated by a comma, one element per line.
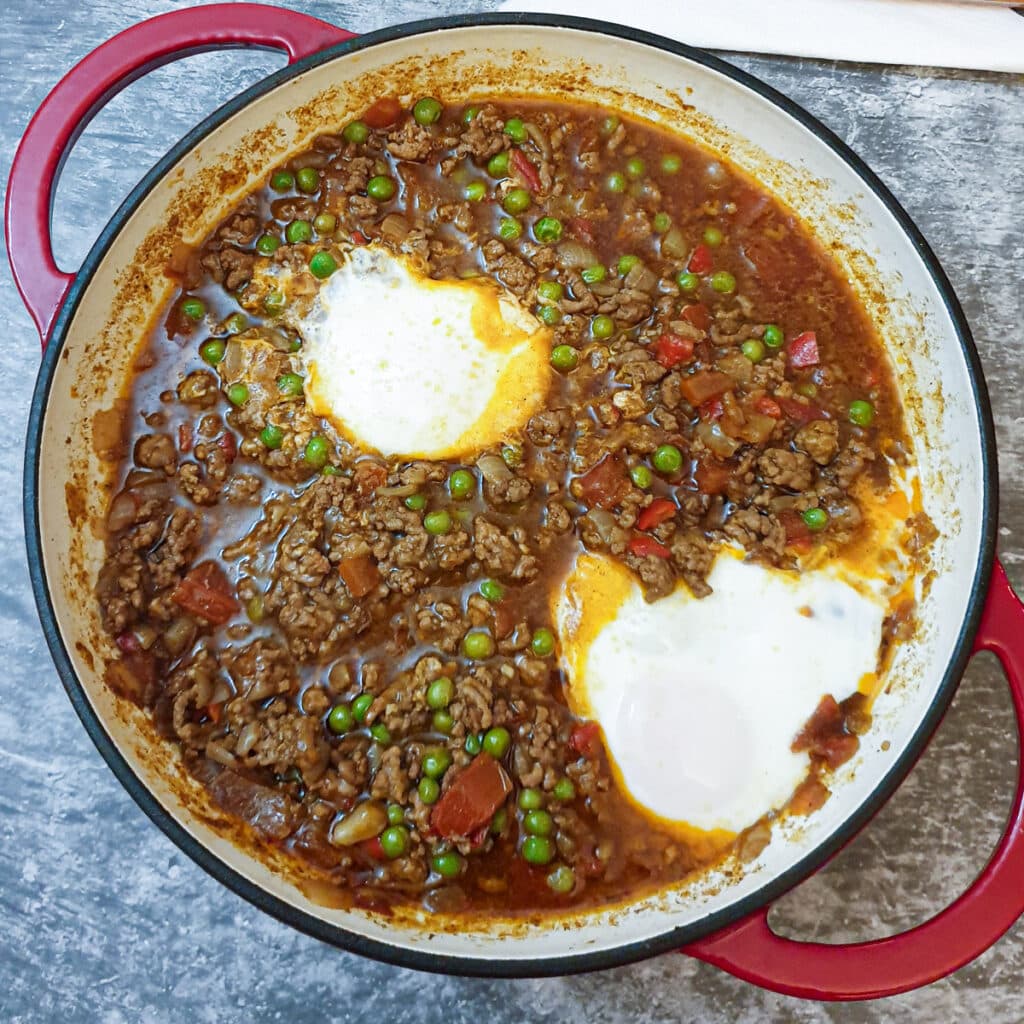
<point>700,700</point>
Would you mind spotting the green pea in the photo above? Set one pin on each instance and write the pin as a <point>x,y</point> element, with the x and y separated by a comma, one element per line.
<point>428,789</point>
<point>635,167</point>
<point>538,823</point>
<point>543,642</point>
<point>475,191</point>
<point>492,590</point>
<point>516,130</point>
<point>381,188</point>
<point>615,182</point>
<point>361,705</point>
<point>282,181</point>
<point>308,179</point>
<point>549,315</point>
<point>322,265</point>
<point>330,471</point>
<point>238,394</point>
<point>267,244</point>
<point>688,282</point>
<point>667,459</point>
<point>517,200</point>
<point>469,113</point>
<point>435,762</point>
<point>473,744</point>
<point>753,349</point>
<point>722,281</point>
<point>626,264</point>
<point>530,799</point>
<point>274,303</point>
<point>437,523</point>
<point>773,336</point>
<point>538,850</point>
<point>396,814</point>
<point>440,693</point>
<point>356,131</point>
<point>562,880</point>
<point>609,124</point>
<point>212,351</point>
<point>340,719</point>
<point>712,236</point>
<point>290,384</point>
<point>461,484</point>
<point>547,230</point>
<point>594,274</point>
<point>416,502</point>
<point>662,222</point>
<point>325,223</point>
<point>271,436</point>
<point>512,455</point>
<point>394,841</point>
<point>380,732</point>
<point>447,865</point>
<point>861,413</point>
<point>236,323</point>
<point>496,742</point>
<point>194,309</point>
<point>317,452</point>
<point>815,518</point>
<point>497,166</point>
<point>670,163</point>
<point>550,291</point>
<point>602,326</point>
<point>298,231</point>
<point>641,476</point>
<point>443,722</point>
<point>499,821</point>
<point>509,229</point>
<point>564,358</point>
<point>477,644</point>
<point>564,790</point>
<point>427,110</point>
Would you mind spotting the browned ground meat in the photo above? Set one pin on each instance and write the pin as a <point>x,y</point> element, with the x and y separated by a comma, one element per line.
<point>350,677</point>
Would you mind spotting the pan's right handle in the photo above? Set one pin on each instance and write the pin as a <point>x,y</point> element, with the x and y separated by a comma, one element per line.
<point>100,75</point>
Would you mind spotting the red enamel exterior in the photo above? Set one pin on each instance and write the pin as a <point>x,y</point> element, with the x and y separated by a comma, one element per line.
<point>749,949</point>
<point>954,937</point>
<point>74,101</point>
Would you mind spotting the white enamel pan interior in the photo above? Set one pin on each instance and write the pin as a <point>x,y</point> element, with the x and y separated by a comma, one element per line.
<point>730,113</point>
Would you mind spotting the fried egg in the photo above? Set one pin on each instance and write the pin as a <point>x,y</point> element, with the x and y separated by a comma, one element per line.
<point>406,365</point>
<point>699,700</point>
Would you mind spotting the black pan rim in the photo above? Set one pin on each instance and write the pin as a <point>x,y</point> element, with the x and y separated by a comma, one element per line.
<point>488,965</point>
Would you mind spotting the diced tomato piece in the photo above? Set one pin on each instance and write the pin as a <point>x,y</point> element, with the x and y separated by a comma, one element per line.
<point>383,113</point>
<point>184,437</point>
<point>359,238</point>
<point>228,444</point>
<point>605,485</point>
<point>871,377</point>
<point>643,546</point>
<point>768,407</point>
<point>705,384</point>
<point>672,349</point>
<point>701,261</point>
<point>803,350</point>
<point>824,735</point>
<point>659,510</point>
<point>583,739</point>
<point>215,712</point>
<point>476,839</point>
<point>809,796</point>
<point>360,574</point>
<point>801,412</point>
<point>796,529</point>
<point>712,477</point>
<point>583,229</point>
<point>128,642</point>
<point>471,800</point>
<point>206,591</point>
<point>524,168</point>
<point>696,315</point>
<point>504,619</point>
<point>372,848</point>
<point>711,410</point>
<point>368,476</point>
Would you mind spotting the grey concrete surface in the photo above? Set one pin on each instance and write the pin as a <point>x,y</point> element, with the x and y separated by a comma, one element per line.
<point>103,920</point>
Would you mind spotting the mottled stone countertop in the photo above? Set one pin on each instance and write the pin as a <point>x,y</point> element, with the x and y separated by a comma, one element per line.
<point>103,919</point>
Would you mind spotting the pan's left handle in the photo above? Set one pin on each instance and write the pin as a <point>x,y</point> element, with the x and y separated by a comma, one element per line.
<point>100,75</point>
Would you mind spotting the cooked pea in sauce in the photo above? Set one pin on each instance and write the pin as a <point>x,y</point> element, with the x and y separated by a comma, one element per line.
<point>355,654</point>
